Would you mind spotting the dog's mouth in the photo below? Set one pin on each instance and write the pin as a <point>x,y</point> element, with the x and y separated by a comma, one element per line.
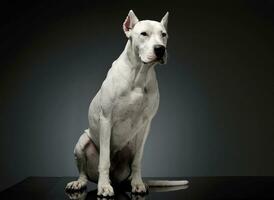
<point>153,59</point>
<point>159,60</point>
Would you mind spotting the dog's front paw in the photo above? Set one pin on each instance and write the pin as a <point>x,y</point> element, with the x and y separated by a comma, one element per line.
<point>105,190</point>
<point>138,187</point>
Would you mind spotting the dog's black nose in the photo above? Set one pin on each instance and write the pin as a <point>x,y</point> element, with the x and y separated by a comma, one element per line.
<point>159,50</point>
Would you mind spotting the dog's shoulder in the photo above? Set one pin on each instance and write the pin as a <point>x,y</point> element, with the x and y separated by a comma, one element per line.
<point>114,85</point>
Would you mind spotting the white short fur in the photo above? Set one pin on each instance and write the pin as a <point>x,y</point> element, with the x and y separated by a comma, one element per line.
<point>121,113</point>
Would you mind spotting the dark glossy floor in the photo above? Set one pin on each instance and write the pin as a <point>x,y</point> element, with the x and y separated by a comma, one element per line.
<point>198,188</point>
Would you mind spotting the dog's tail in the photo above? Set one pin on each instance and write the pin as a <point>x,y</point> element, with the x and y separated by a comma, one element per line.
<point>166,183</point>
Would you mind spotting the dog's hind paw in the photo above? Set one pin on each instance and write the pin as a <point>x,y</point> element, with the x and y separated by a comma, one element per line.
<point>76,185</point>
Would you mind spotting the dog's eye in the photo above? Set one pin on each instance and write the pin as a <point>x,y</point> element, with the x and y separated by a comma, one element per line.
<point>163,34</point>
<point>144,33</point>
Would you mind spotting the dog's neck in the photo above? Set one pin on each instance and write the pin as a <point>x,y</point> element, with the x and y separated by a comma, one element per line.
<point>139,68</point>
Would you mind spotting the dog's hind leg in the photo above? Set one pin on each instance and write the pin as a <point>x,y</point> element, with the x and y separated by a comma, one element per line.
<point>86,156</point>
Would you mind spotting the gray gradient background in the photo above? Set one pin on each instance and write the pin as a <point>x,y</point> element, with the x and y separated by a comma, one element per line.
<point>217,90</point>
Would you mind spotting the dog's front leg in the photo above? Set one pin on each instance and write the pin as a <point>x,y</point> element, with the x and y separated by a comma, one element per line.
<point>104,187</point>
<point>137,183</point>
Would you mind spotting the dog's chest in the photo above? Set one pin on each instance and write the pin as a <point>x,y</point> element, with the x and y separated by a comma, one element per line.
<point>132,103</point>
<point>131,111</point>
<point>134,100</point>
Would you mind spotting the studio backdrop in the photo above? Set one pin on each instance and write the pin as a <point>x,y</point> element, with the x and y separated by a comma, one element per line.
<point>216,109</point>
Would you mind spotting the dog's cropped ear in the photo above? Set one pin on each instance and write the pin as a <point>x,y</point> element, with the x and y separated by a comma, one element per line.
<point>129,23</point>
<point>164,20</point>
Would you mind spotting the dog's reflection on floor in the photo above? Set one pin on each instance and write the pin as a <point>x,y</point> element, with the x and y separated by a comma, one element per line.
<point>120,194</point>
<point>84,195</point>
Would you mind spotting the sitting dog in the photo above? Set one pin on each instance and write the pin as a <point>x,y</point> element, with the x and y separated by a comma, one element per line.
<point>120,114</point>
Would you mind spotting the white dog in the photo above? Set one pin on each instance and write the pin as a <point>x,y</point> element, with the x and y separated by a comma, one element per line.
<point>120,114</point>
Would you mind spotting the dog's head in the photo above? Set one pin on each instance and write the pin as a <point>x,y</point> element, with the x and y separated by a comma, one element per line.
<point>149,38</point>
